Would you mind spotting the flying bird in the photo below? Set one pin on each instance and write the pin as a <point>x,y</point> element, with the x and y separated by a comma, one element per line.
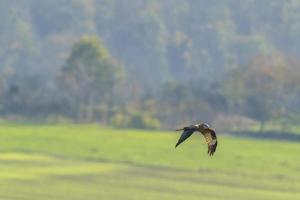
<point>208,133</point>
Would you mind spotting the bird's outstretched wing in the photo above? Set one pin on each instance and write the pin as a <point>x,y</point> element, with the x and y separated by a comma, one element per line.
<point>187,132</point>
<point>211,140</point>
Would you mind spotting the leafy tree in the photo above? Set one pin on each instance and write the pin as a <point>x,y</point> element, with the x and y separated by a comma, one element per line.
<point>262,88</point>
<point>90,76</point>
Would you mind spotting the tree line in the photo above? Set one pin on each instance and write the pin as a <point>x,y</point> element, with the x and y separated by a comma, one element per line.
<point>149,64</point>
<point>92,86</point>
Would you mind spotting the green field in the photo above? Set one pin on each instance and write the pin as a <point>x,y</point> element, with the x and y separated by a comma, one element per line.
<point>89,162</point>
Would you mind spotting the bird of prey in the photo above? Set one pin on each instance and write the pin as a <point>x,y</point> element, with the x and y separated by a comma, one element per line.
<point>208,133</point>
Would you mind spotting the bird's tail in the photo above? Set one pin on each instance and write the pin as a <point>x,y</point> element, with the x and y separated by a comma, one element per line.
<point>181,129</point>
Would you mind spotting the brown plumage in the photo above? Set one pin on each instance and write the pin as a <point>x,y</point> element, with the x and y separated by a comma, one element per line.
<point>208,133</point>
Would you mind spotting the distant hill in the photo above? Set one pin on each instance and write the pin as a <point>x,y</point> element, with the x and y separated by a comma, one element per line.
<point>168,39</point>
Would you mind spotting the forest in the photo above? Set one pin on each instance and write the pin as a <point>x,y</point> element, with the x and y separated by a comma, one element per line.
<point>151,64</point>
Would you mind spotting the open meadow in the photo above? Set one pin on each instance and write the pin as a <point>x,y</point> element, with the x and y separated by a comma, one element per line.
<point>90,162</point>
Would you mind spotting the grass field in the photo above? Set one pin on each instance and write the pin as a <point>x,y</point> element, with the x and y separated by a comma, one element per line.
<point>89,162</point>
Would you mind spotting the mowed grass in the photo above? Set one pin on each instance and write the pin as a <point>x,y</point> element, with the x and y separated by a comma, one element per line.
<point>91,162</point>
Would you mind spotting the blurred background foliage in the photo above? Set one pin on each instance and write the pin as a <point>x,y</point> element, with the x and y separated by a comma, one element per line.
<point>149,63</point>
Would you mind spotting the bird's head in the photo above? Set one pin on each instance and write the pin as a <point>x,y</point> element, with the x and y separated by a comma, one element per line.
<point>204,126</point>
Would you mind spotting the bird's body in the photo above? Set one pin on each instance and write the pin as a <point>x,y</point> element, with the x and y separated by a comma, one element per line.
<point>208,133</point>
